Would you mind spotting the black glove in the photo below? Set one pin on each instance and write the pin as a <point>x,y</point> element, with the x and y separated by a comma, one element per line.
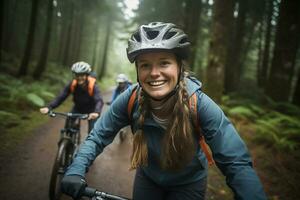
<point>73,186</point>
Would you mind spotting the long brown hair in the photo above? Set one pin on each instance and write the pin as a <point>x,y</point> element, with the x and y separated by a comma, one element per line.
<point>178,145</point>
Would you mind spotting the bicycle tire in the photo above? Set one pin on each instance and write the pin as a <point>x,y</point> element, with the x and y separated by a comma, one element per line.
<point>62,161</point>
<point>78,135</point>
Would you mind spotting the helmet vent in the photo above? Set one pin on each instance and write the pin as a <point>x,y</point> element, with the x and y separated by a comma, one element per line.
<point>152,34</point>
<point>183,41</point>
<point>169,35</point>
<point>136,37</point>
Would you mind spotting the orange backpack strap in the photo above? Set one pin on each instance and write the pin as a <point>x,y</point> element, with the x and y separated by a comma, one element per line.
<point>131,102</point>
<point>73,85</point>
<point>91,85</point>
<point>205,148</point>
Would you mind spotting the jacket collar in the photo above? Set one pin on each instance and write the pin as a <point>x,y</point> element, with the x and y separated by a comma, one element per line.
<point>192,85</point>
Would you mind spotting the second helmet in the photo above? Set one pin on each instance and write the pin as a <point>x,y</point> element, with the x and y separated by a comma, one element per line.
<point>81,68</point>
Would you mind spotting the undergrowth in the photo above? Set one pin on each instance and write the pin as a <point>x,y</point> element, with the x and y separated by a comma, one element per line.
<point>20,101</point>
<point>274,126</point>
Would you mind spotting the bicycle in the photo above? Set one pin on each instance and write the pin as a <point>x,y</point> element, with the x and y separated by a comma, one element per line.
<point>68,143</point>
<point>94,194</point>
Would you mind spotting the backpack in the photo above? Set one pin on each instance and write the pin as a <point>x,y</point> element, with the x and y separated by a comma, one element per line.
<point>91,81</point>
<point>193,107</point>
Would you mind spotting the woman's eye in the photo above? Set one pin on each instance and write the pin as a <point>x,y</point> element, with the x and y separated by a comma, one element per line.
<point>145,65</point>
<point>164,63</point>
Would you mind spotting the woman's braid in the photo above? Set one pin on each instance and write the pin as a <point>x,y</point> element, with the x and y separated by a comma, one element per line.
<point>139,156</point>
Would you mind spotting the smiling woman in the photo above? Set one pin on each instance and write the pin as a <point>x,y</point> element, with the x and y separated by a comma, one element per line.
<point>169,162</point>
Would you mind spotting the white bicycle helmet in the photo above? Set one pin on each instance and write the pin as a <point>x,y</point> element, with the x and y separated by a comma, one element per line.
<point>158,36</point>
<point>81,68</point>
<point>121,78</point>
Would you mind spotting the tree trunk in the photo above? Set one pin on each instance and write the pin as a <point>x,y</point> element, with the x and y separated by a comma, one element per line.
<point>222,15</point>
<point>266,55</point>
<point>76,34</point>
<point>79,38</point>
<point>193,13</point>
<point>62,39</point>
<point>259,54</point>
<point>41,66</point>
<point>105,50</point>
<point>66,53</point>
<point>62,34</point>
<point>30,39</point>
<point>94,59</point>
<point>1,27</point>
<point>9,24</point>
<point>285,50</point>
<point>296,97</point>
<point>73,36</point>
<point>233,61</point>
<point>255,26</point>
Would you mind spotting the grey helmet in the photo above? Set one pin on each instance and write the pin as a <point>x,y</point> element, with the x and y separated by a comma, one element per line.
<point>121,78</point>
<point>157,36</point>
<point>81,68</point>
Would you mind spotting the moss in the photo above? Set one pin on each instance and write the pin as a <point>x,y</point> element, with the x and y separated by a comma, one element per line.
<point>21,129</point>
<point>22,126</point>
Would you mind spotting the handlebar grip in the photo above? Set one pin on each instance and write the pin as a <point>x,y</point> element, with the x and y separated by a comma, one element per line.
<point>85,116</point>
<point>89,192</point>
<point>51,113</point>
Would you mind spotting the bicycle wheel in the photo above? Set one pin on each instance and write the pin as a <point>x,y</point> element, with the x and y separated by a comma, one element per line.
<point>62,161</point>
<point>78,136</point>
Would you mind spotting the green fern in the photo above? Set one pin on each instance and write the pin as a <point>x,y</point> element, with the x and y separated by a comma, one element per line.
<point>280,130</point>
<point>242,111</point>
<point>47,94</point>
<point>257,109</point>
<point>35,99</point>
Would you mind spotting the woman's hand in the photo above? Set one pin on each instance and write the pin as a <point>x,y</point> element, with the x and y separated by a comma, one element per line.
<point>44,110</point>
<point>73,186</point>
<point>93,116</point>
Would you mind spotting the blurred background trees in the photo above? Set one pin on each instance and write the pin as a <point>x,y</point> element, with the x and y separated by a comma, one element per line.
<point>235,44</point>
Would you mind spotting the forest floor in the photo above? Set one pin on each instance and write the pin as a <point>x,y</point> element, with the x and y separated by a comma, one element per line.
<point>279,171</point>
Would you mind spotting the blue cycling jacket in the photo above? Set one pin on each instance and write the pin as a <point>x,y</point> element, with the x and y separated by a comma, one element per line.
<point>229,151</point>
<point>118,91</point>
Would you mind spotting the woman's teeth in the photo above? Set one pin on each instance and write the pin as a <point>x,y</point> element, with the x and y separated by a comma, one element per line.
<point>156,83</point>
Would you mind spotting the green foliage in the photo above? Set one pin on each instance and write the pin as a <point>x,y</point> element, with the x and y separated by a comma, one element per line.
<point>280,130</point>
<point>284,107</point>
<point>8,119</point>
<point>24,95</point>
<point>35,99</point>
<point>47,94</point>
<point>277,129</point>
<point>21,95</point>
<point>20,102</point>
<point>242,112</point>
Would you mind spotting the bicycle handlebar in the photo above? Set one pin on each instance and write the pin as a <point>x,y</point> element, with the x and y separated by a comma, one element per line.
<point>92,192</point>
<point>69,114</point>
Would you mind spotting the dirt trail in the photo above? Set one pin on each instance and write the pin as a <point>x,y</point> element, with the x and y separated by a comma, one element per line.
<point>25,172</point>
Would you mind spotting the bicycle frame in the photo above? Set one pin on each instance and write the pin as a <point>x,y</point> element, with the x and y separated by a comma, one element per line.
<point>68,142</point>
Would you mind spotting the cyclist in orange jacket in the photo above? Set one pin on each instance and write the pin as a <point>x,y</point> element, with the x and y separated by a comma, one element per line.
<point>86,94</point>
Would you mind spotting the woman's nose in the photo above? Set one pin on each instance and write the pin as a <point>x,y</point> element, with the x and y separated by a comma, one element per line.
<point>155,71</point>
